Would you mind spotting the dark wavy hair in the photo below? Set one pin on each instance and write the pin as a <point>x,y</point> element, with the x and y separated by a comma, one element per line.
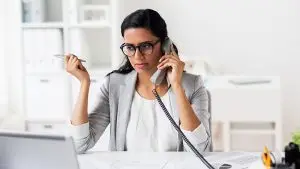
<point>143,18</point>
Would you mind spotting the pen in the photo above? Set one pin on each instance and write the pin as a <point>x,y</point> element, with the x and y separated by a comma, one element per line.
<point>63,56</point>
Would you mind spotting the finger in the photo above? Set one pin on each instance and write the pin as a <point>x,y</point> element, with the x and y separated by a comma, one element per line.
<point>169,64</point>
<point>175,60</point>
<point>166,62</point>
<point>81,67</point>
<point>164,57</point>
<point>74,60</point>
<point>72,57</point>
<point>175,57</point>
<point>161,59</point>
<point>66,60</point>
<point>76,64</point>
<point>168,56</point>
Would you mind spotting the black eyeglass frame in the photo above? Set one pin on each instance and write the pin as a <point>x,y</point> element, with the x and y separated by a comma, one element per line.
<point>139,46</point>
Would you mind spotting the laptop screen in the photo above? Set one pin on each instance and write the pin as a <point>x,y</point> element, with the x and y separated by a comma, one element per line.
<point>25,150</point>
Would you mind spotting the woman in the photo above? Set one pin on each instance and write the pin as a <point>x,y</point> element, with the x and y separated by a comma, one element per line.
<point>126,101</point>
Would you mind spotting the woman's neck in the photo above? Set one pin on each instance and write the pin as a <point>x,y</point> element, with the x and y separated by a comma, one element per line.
<point>144,86</point>
<point>145,82</point>
<point>144,79</point>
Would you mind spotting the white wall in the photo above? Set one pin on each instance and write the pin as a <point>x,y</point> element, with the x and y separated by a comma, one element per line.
<point>13,55</point>
<point>240,37</point>
<point>3,81</point>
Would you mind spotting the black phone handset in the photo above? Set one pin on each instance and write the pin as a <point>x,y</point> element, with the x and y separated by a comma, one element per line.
<point>157,78</point>
<point>167,48</point>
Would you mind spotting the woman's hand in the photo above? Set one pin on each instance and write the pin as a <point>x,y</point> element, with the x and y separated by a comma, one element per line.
<point>174,67</point>
<point>75,68</point>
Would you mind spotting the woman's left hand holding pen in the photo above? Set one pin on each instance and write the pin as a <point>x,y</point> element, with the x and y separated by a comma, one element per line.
<point>74,66</point>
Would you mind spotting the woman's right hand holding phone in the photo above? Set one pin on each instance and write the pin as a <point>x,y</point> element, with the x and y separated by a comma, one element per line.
<point>74,66</point>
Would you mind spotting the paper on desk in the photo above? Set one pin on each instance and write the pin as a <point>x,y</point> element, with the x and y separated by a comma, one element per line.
<point>122,162</point>
<point>238,160</point>
<point>86,163</point>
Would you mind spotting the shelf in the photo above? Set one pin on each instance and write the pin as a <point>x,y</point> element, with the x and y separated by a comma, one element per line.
<point>91,25</point>
<point>42,25</point>
<point>46,120</point>
<point>81,27</point>
<point>95,2</point>
<point>252,132</point>
<point>43,11</point>
<point>58,73</point>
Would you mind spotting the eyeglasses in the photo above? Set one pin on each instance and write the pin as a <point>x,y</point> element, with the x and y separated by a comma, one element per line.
<point>146,48</point>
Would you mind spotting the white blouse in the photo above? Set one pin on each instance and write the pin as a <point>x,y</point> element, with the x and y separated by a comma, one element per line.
<point>150,130</point>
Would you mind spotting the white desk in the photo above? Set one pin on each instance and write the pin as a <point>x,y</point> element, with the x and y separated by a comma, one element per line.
<point>165,160</point>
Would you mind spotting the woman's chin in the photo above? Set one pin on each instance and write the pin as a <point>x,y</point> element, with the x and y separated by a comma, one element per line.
<point>144,71</point>
<point>141,71</point>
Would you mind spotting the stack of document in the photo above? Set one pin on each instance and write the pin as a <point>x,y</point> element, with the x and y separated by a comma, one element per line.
<point>40,45</point>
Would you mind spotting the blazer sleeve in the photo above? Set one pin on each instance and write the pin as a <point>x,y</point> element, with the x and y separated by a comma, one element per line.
<point>86,135</point>
<point>201,136</point>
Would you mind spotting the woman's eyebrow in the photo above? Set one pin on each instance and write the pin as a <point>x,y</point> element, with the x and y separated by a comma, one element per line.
<point>149,41</point>
<point>128,44</point>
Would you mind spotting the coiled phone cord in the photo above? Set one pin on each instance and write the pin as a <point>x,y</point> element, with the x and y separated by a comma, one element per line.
<point>179,131</point>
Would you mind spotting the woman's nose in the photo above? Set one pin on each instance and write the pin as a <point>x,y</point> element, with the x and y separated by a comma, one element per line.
<point>138,54</point>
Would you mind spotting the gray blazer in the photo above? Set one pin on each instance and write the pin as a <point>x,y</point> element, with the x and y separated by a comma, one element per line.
<point>114,103</point>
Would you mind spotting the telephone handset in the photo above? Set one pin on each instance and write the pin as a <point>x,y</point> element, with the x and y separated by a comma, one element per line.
<point>167,48</point>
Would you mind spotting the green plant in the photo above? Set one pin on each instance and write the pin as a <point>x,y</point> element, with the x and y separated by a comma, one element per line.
<point>296,137</point>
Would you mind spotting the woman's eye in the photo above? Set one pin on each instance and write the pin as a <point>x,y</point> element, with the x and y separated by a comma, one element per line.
<point>146,46</point>
<point>131,48</point>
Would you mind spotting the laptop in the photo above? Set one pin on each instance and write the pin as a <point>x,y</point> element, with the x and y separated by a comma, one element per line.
<point>36,151</point>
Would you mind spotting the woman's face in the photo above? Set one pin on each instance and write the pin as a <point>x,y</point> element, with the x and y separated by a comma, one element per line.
<point>142,49</point>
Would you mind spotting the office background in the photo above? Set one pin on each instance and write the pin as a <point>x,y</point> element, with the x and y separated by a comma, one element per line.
<point>244,38</point>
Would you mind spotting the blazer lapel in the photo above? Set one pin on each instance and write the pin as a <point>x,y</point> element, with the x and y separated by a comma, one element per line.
<point>175,115</point>
<point>125,99</point>
<point>174,108</point>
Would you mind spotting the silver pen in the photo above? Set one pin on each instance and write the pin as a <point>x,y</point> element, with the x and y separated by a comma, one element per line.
<point>63,57</point>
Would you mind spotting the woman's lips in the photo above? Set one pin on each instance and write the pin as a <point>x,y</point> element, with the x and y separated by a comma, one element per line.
<point>140,65</point>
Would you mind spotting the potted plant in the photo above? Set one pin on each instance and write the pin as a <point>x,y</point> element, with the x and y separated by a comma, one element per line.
<point>296,137</point>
